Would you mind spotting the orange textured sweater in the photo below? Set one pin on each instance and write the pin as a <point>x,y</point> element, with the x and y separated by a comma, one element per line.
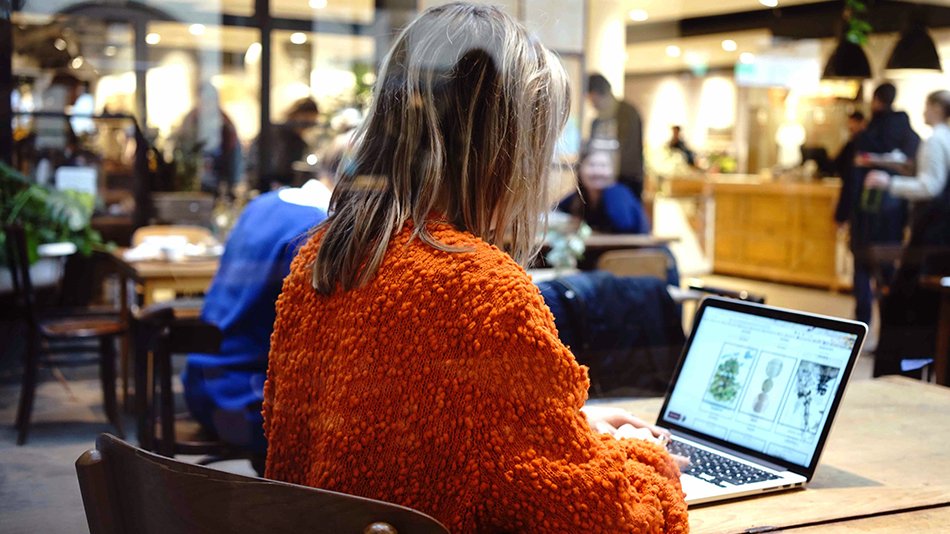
<point>442,386</point>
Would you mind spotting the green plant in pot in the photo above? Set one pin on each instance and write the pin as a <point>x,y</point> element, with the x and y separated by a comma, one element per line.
<point>47,215</point>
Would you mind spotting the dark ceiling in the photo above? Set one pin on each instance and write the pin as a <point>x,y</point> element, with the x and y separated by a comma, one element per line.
<point>805,21</point>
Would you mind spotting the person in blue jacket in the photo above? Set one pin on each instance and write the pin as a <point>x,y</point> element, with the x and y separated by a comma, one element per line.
<point>602,202</point>
<point>224,391</point>
<point>607,205</point>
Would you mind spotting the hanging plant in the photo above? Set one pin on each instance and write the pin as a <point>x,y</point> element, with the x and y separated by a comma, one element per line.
<point>855,13</point>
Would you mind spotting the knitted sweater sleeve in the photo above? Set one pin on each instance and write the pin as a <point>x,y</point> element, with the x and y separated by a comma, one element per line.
<point>543,468</point>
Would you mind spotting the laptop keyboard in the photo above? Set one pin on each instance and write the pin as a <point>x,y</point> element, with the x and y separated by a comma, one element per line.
<point>717,469</point>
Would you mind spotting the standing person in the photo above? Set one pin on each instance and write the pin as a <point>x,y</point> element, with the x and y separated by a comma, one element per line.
<point>932,217</point>
<point>677,144</point>
<point>620,121</point>
<point>909,314</point>
<point>850,193</point>
<point>287,146</point>
<point>414,361</point>
<point>207,133</point>
<point>879,218</point>
<point>224,390</point>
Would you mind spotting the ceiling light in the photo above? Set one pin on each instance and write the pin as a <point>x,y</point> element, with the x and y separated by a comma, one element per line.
<point>253,54</point>
<point>638,15</point>
<point>747,58</point>
<point>60,44</point>
<point>914,50</point>
<point>769,3</point>
<point>298,38</point>
<point>77,62</point>
<point>196,29</point>
<point>848,61</point>
<point>109,51</point>
<point>153,38</point>
<point>318,4</point>
<point>729,45</point>
<point>673,51</point>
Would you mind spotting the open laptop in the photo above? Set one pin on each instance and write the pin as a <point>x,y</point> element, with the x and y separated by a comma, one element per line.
<point>754,395</point>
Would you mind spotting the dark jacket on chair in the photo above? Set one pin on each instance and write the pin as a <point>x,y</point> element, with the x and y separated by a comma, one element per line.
<point>625,329</point>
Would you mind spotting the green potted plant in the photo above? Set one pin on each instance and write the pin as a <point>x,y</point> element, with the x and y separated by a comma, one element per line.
<point>53,220</point>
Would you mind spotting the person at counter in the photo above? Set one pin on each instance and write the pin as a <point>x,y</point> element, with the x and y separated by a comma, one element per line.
<point>677,144</point>
<point>209,135</point>
<point>850,193</point>
<point>932,220</point>
<point>605,204</point>
<point>413,360</point>
<point>618,121</point>
<point>909,313</point>
<point>879,218</point>
<point>287,146</point>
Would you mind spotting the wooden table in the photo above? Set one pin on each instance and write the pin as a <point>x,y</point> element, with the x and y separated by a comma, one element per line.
<point>886,467</point>
<point>191,276</point>
<point>604,242</point>
<point>942,352</point>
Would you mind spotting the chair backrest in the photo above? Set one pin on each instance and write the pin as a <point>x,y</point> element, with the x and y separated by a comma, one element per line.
<point>18,261</point>
<point>635,262</point>
<point>126,489</point>
<point>194,234</point>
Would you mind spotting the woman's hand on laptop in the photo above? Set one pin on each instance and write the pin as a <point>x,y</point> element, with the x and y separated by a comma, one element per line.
<point>608,420</point>
<point>622,424</point>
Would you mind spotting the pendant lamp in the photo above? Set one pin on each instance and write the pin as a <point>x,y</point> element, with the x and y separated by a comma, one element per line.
<point>848,61</point>
<point>914,50</point>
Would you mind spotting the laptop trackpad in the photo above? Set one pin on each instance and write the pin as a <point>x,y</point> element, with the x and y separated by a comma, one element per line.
<point>696,487</point>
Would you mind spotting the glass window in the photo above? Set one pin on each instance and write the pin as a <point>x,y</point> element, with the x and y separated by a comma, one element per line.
<point>354,11</point>
<point>203,98</point>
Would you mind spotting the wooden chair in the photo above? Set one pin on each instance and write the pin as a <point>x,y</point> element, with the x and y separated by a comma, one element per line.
<point>194,234</point>
<point>635,262</point>
<point>68,331</point>
<point>161,331</point>
<point>126,489</point>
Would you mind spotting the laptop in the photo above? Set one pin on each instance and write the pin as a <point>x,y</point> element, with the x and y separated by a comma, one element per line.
<point>754,395</point>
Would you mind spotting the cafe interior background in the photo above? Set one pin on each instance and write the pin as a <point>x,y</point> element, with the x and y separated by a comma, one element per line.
<point>746,80</point>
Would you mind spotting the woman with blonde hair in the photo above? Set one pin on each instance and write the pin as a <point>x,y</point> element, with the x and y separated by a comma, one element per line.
<point>413,360</point>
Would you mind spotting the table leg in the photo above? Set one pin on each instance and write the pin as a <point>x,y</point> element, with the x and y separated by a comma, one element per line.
<point>943,340</point>
<point>125,315</point>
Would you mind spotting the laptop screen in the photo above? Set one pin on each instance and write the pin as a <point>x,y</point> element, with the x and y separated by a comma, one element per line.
<point>760,382</point>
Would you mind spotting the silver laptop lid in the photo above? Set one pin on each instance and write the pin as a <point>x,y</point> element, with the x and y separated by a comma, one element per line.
<point>762,380</point>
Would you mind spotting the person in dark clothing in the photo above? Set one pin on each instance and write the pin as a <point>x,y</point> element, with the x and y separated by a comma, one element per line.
<point>620,121</point>
<point>909,313</point>
<point>844,165</point>
<point>286,147</point>
<point>677,143</point>
<point>879,217</point>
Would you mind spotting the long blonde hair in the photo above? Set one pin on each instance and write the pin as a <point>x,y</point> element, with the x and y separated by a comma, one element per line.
<point>465,117</point>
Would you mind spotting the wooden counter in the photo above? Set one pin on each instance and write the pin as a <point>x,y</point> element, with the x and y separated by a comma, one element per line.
<point>781,231</point>
<point>777,231</point>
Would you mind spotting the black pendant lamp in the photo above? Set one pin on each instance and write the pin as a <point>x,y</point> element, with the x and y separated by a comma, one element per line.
<point>915,50</point>
<point>847,62</point>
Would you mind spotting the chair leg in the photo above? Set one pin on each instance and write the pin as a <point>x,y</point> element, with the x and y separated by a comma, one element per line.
<point>31,364</point>
<point>107,356</point>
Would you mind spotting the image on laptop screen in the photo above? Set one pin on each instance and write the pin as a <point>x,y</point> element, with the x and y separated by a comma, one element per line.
<point>759,382</point>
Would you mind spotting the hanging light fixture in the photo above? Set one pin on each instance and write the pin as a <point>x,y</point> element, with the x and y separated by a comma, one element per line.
<point>914,50</point>
<point>848,61</point>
